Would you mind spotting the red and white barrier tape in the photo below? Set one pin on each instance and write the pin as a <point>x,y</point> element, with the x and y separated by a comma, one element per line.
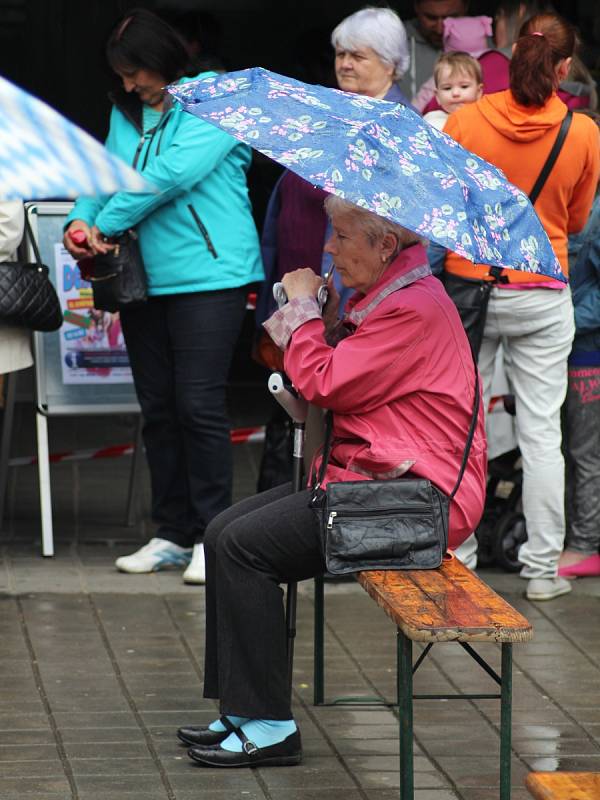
<point>238,436</point>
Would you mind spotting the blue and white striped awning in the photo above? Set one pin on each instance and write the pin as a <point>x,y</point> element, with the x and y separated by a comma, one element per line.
<point>43,155</point>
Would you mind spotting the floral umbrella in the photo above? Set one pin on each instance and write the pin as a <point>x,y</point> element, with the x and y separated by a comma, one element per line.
<point>382,157</point>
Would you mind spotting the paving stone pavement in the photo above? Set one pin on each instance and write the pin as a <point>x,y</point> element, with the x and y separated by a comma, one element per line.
<point>98,669</point>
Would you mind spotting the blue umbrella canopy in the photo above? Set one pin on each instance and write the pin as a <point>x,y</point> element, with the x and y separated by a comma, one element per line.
<point>44,155</point>
<point>383,157</point>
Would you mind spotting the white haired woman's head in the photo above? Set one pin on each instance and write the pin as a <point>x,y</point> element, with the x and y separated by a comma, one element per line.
<point>374,227</point>
<point>381,30</point>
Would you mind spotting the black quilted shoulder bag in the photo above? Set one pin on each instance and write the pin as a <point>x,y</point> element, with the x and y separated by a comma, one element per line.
<point>27,297</point>
<point>377,525</point>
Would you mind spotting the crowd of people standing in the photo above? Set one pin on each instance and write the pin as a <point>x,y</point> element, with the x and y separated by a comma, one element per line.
<point>468,77</point>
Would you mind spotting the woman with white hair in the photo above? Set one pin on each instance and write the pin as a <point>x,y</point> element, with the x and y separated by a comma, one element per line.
<point>401,388</point>
<point>371,54</point>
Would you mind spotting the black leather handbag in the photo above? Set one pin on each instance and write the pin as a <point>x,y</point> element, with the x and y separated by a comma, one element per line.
<point>380,525</point>
<point>118,277</point>
<point>27,297</point>
<point>471,297</point>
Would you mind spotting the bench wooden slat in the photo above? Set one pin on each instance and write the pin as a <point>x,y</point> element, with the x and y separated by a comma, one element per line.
<point>444,605</point>
<point>564,785</point>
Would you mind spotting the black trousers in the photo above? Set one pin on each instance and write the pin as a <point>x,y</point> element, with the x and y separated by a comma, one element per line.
<point>180,349</point>
<point>250,549</point>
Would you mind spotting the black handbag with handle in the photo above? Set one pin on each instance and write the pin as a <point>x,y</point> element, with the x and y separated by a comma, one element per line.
<point>118,277</point>
<point>27,297</point>
<point>391,524</point>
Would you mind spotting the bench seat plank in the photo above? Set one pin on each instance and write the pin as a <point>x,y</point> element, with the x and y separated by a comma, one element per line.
<point>564,785</point>
<point>448,604</point>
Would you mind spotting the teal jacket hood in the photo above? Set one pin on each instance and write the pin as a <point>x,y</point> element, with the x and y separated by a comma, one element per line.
<point>196,231</point>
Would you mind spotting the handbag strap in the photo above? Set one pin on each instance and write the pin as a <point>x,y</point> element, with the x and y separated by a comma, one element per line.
<point>29,235</point>
<point>497,272</point>
<point>466,451</point>
<point>552,156</point>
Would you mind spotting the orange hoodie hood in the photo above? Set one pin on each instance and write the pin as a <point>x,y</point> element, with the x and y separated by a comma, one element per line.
<point>517,122</point>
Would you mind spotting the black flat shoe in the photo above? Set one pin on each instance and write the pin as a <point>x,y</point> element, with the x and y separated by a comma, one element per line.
<point>203,736</point>
<point>282,754</point>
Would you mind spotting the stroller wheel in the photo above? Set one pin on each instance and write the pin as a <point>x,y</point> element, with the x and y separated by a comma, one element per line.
<point>510,534</point>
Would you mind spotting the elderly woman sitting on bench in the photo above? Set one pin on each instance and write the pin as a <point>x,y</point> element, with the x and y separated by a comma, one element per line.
<point>400,383</point>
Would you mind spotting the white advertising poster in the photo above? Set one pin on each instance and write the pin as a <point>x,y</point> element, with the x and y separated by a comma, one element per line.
<point>92,348</point>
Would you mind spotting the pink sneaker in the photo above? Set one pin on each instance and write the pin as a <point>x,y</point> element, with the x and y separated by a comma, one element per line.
<point>589,567</point>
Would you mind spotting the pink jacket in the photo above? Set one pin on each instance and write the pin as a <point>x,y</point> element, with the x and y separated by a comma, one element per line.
<point>401,386</point>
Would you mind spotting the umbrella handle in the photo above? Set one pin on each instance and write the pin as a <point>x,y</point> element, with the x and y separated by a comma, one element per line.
<point>287,397</point>
<point>281,297</point>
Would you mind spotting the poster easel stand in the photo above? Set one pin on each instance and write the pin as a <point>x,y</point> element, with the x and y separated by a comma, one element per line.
<point>54,395</point>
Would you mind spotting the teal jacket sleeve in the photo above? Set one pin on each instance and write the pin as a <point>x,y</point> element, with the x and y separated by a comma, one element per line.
<point>88,208</point>
<point>196,149</point>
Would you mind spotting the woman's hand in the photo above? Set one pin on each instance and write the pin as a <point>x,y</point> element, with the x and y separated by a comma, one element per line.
<point>301,283</point>
<point>83,249</point>
<point>97,242</point>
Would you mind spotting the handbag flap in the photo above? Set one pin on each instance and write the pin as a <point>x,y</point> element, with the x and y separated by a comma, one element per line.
<point>369,495</point>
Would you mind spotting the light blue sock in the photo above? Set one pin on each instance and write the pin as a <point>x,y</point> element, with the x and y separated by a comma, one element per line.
<point>263,732</point>
<point>218,726</point>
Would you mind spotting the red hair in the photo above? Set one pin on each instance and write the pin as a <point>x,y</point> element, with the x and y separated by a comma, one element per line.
<point>532,70</point>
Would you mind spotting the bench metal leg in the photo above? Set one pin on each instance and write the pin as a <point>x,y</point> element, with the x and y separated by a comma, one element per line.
<point>405,711</point>
<point>505,720</point>
<point>319,651</point>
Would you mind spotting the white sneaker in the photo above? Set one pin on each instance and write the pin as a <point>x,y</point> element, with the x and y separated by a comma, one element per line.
<point>196,572</point>
<point>547,588</point>
<point>157,554</point>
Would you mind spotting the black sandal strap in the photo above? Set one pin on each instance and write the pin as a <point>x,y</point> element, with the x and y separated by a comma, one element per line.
<point>229,726</point>
<point>247,746</point>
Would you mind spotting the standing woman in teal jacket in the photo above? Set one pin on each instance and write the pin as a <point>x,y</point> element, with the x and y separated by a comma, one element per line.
<point>201,251</point>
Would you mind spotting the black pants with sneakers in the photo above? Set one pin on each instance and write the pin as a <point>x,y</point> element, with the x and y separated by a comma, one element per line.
<point>250,549</point>
<point>180,348</point>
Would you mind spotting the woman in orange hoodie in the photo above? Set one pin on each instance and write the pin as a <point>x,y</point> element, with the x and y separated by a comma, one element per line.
<point>531,316</point>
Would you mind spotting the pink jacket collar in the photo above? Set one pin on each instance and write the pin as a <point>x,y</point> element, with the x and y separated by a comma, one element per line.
<point>410,265</point>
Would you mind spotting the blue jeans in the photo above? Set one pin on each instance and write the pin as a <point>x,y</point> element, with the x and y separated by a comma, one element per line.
<point>180,349</point>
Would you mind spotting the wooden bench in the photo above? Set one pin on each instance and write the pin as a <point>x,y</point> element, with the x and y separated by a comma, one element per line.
<point>564,785</point>
<point>449,604</point>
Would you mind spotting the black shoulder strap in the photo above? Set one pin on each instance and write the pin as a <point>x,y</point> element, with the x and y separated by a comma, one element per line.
<point>28,234</point>
<point>553,155</point>
<point>465,456</point>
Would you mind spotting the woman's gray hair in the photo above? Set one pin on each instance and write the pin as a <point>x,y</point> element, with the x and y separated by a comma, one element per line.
<point>372,225</point>
<point>382,30</point>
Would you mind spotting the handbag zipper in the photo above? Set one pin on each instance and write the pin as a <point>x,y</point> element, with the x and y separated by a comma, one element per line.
<point>381,512</point>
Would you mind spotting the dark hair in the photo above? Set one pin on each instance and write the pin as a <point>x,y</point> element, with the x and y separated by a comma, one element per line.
<point>142,40</point>
<point>515,12</point>
<point>532,68</point>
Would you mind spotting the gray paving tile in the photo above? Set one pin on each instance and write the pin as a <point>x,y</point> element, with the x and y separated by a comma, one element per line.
<point>479,772</point>
<point>27,752</point>
<point>89,736</point>
<point>44,787</point>
<point>106,750</point>
<point>113,766</point>
<point>94,719</point>
<point>112,787</point>
<point>21,720</point>
<point>32,768</point>
<point>203,781</point>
